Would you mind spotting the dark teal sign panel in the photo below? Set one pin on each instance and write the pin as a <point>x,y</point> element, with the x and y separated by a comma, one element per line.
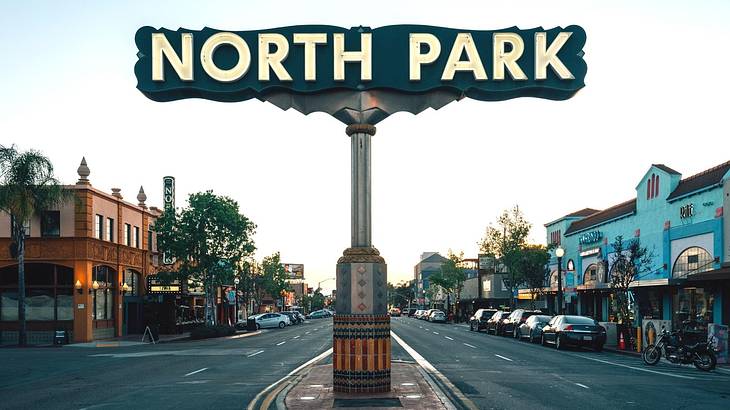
<point>390,65</point>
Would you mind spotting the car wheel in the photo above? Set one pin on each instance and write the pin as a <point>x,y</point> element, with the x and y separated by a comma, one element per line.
<point>558,345</point>
<point>282,325</point>
<point>258,326</point>
<point>471,327</point>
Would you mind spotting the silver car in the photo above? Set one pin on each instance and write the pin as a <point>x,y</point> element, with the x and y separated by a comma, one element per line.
<point>265,320</point>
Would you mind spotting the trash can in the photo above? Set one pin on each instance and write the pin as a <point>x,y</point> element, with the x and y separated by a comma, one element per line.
<point>60,337</point>
<point>250,324</point>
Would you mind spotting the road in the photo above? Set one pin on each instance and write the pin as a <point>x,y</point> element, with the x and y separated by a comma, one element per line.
<point>501,373</point>
<point>207,374</point>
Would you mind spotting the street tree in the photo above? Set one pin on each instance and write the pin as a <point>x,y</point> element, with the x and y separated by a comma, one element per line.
<point>400,295</point>
<point>209,239</point>
<point>629,261</point>
<point>27,187</point>
<point>313,302</point>
<point>451,277</point>
<point>503,241</point>
<point>532,265</point>
<point>274,276</point>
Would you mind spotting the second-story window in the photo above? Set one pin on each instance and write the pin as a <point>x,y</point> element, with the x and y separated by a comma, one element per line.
<point>99,227</point>
<point>51,224</point>
<point>110,229</point>
<point>128,234</point>
<point>149,240</point>
<point>135,237</point>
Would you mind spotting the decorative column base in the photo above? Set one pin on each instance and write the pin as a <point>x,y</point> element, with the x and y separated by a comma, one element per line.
<point>361,340</point>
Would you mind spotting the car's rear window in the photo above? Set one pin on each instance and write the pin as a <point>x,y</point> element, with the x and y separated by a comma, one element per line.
<point>525,315</point>
<point>579,320</point>
<point>542,318</point>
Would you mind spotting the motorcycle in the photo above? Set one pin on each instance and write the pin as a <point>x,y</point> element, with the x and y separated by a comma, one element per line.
<point>672,346</point>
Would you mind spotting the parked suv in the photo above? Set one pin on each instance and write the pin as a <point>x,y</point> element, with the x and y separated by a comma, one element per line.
<point>494,324</point>
<point>478,320</point>
<point>515,319</point>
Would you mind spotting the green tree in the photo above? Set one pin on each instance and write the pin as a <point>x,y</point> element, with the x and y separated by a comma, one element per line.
<point>274,277</point>
<point>628,262</point>
<point>400,295</point>
<point>313,302</point>
<point>532,265</point>
<point>504,241</point>
<point>209,239</point>
<point>451,277</point>
<point>27,187</point>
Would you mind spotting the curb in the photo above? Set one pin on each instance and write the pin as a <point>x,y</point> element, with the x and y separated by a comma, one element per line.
<point>622,352</point>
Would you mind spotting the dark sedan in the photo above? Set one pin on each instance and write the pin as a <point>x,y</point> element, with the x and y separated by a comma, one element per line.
<point>478,320</point>
<point>515,319</point>
<point>563,330</point>
<point>532,327</point>
<point>494,324</point>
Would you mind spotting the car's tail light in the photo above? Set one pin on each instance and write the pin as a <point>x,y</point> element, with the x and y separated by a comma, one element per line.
<point>569,327</point>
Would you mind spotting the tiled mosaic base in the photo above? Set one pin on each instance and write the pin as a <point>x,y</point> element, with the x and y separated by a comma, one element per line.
<point>361,357</point>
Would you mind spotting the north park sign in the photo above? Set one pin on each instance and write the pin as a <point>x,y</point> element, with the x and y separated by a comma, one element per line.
<point>409,59</point>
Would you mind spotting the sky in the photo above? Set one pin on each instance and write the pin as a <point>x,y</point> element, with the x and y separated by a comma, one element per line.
<point>655,93</point>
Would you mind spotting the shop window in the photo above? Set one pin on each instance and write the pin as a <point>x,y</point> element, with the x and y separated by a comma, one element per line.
<point>51,223</point>
<point>39,304</point>
<point>64,304</point>
<point>48,294</point>
<point>132,278</point>
<point>99,227</point>
<point>591,273</point>
<point>110,229</point>
<point>9,305</point>
<point>692,260</point>
<point>694,305</point>
<point>38,274</point>
<point>64,276</point>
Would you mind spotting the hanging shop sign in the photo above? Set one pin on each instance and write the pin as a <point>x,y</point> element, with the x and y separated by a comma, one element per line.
<point>159,286</point>
<point>168,199</point>
<point>590,237</point>
<point>687,211</point>
<point>236,66</point>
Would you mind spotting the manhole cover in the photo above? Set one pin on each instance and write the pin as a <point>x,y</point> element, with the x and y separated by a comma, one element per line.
<point>382,402</point>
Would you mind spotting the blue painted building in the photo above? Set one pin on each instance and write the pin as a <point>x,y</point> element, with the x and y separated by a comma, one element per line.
<point>683,224</point>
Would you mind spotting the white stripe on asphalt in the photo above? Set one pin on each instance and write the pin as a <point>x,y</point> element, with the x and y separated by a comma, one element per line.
<point>467,344</point>
<point>428,367</point>
<point>448,338</point>
<point>679,376</point>
<point>582,385</point>
<point>502,357</point>
<point>306,333</point>
<point>435,333</point>
<point>296,337</point>
<point>281,343</point>
<point>197,371</point>
<point>254,354</point>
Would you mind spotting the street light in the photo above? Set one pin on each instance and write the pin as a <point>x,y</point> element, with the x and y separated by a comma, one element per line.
<point>559,252</point>
<point>236,281</point>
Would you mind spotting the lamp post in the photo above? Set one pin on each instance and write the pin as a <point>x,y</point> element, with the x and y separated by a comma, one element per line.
<point>236,281</point>
<point>559,252</point>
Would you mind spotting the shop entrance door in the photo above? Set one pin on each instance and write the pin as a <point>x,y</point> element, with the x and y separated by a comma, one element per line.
<point>132,323</point>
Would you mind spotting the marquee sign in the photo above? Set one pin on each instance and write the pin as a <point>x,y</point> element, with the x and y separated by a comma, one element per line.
<point>411,59</point>
<point>590,237</point>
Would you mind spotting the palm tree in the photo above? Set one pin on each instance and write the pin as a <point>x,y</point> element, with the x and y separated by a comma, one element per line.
<point>27,187</point>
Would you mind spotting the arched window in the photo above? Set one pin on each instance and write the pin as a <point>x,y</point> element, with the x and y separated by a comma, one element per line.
<point>132,278</point>
<point>591,273</point>
<point>692,260</point>
<point>656,187</point>
<point>103,297</point>
<point>648,189</point>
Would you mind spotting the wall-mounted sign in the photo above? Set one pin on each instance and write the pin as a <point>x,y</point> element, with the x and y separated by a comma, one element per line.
<point>687,211</point>
<point>236,66</point>
<point>591,252</point>
<point>486,262</point>
<point>158,286</point>
<point>168,199</point>
<point>590,237</point>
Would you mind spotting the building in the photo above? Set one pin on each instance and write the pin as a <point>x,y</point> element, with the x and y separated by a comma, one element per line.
<point>681,222</point>
<point>86,264</point>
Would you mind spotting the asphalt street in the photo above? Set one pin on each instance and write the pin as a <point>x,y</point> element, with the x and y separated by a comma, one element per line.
<point>497,372</point>
<point>208,374</point>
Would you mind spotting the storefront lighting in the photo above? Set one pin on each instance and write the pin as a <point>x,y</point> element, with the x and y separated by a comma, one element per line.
<point>94,286</point>
<point>125,289</point>
<point>77,286</point>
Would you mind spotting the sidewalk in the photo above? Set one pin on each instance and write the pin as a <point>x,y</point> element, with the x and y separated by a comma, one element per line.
<point>410,390</point>
<point>136,340</point>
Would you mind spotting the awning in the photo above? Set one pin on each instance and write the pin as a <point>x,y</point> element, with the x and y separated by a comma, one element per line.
<point>715,274</point>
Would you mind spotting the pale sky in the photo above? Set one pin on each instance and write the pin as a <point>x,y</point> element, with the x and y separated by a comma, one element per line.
<point>655,93</point>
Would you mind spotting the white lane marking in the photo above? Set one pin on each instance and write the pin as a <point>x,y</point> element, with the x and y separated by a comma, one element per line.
<point>255,353</point>
<point>428,330</point>
<point>505,358</point>
<point>428,367</point>
<point>420,327</point>
<point>448,338</point>
<point>291,373</point>
<point>679,376</point>
<point>467,344</point>
<point>281,343</point>
<point>435,333</point>
<point>197,371</point>
<point>582,385</point>
<point>306,333</point>
<point>296,337</point>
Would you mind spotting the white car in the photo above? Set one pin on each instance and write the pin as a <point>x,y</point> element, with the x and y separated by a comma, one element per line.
<point>264,320</point>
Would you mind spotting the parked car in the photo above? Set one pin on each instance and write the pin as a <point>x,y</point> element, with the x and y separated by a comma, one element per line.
<point>437,316</point>
<point>494,324</point>
<point>532,327</point>
<point>394,312</point>
<point>264,320</point>
<point>515,319</point>
<point>478,320</point>
<point>319,314</point>
<point>565,330</point>
<point>412,312</point>
<point>419,313</point>
<point>427,314</point>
